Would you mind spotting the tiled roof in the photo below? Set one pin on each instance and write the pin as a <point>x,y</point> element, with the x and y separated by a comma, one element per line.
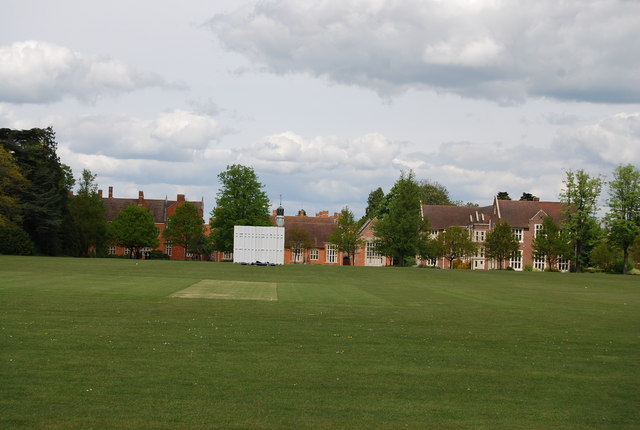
<point>158,208</point>
<point>518,213</point>
<point>442,217</point>
<point>319,228</point>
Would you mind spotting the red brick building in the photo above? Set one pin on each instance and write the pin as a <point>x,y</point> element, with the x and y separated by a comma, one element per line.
<point>160,209</point>
<point>524,217</point>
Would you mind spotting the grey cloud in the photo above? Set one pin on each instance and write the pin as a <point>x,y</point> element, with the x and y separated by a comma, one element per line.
<point>491,50</point>
<point>40,72</point>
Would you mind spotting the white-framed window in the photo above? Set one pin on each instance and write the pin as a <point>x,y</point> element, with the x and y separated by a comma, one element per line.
<point>168,248</point>
<point>539,263</point>
<point>538,229</point>
<point>314,254</point>
<point>478,264</point>
<point>480,252</point>
<point>299,257</point>
<point>188,253</point>
<point>227,255</point>
<point>434,233</point>
<point>332,253</point>
<point>518,233</point>
<point>479,235</point>
<point>516,261</point>
<point>372,250</point>
<point>563,264</point>
<point>112,250</point>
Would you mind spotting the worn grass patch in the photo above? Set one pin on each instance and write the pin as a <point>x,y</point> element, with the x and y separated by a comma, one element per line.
<point>229,290</point>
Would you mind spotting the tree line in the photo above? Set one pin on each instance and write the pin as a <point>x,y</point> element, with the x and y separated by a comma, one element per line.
<point>38,215</point>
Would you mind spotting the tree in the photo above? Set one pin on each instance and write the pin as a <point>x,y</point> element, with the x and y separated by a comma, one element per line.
<point>374,201</point>
<point>11,182</point>
<point>88,216</point>
<point>456,243</point>
<point>602,256</point>
<point>298,240</point>
<point>434,193</point>
<point>527,197</point>
<point>551,243</point>
<point>44,199</point>
<point>501,244</point>
<point>623,219</point>
<point>580,197</point>
<point>134,228</point>
<point>503,195</point>
<point>400,231</point>
<point>346,236</point>
<point>240,201</point>
<point>14,240</point>
<point>186,228</point>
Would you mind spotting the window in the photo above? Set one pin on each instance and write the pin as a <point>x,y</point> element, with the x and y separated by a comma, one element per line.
<point>188,253</point>
<point>480,252</point>
<point>539,263</point>
<point>434,233</point>
<point>479,235</point>
<point>478,264</point>
<point>227,255</point>
<point>518,233</point>
<point>538,229</point>
<point>563,264</point>
<point>314,255</point>
<point>299,256</point>
<point>112,250</point>
<point>372,251</point>
<point>332,253</point>
<point>516,261</point>
<point>168,248</point>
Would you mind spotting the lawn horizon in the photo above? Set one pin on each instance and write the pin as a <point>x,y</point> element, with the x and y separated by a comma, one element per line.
<point>101,343</point>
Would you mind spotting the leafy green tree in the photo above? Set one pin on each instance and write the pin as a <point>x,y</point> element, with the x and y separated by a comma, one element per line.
<point>501,244</point>
<point>455,243</point>
<point>134,228</point>
<point>527,197</point>
<point>374,201</point>
<point>44,200</point>
<point>434,193</point>
<point>241,200</point>
<point>503,195</point>
<point>580,197</point>
<point>400,231</point>
<point>186,228</point>
<point>602,256</point>
<point>11,182</point>
<point>346,236</point>
<point>552,243</point>
<point>298,240</point>
<point>88,215</point>
<point>14,240</point>
<point>623,219</point>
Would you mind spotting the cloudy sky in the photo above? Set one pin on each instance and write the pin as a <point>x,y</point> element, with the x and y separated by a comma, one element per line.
<point>327,100</point>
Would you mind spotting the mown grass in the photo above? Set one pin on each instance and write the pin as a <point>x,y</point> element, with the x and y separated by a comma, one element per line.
<point>101,344</point>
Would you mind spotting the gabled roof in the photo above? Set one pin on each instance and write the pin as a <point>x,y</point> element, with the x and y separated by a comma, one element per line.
<point>319,228</point>
<point>157,207</point>
<point>518,213</point>
<point>442,217</point>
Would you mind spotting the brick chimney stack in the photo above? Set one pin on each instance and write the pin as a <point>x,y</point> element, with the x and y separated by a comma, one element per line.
<point>140,198</point>
<point>110,192</point>
<point>181,198</point>
<point>100,193</point>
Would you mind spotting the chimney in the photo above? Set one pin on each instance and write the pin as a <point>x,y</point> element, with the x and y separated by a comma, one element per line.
<point>100,193</point>
<point>181,198</point>
<point>140,198</point>
<point>536,198</point>
<point>110,192</point>
<point>323,214</point>
<point>301,212</point>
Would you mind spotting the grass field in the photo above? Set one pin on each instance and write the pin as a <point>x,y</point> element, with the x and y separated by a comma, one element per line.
<point>111,344</point>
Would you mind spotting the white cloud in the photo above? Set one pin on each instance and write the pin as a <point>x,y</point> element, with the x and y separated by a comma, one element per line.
<point>176,135</point>
<point>41,72</point>
<point>504,51</point>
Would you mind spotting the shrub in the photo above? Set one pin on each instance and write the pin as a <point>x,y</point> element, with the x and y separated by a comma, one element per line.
<point>158,255</point>
<point>14,240</point>
<point>528,268</point>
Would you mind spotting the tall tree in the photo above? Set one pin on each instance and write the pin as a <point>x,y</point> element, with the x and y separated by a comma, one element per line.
<point>580,197</point>
<point>44,200</point>
<point>455,243</point>
<point>185,228</point>
<point>527,197</point>
<point>551,243</point>
<point>241,200</point>
<point>374,201</point>
<point>503,195</point>
<point>346,237</point>
<point>135,229</point>
<point>434,193</point>
<point>298,240</point>
<point>623,219</point>
<point>400,231</point>
<point>501,244</point>
<point>88,215</point>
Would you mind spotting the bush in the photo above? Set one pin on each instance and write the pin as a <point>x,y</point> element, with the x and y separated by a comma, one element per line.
<point>14,240</point>
<point>528,268</point>
<point>158,255</point>
<point>618,265</point>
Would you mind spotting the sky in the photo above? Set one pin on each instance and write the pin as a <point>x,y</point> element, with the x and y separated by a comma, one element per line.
<point>327,100</point>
